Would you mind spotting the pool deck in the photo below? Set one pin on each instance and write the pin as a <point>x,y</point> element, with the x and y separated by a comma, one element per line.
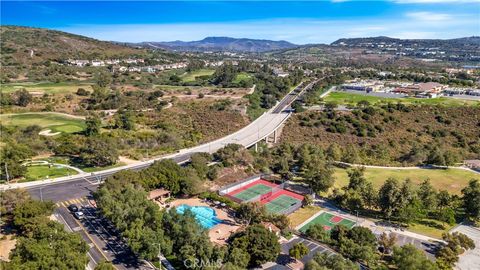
<point>219,233</point>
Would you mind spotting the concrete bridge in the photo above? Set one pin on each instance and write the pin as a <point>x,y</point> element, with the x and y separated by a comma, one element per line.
<point>264,127</point>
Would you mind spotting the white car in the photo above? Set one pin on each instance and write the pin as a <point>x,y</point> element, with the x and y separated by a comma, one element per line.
<point>79,215</point>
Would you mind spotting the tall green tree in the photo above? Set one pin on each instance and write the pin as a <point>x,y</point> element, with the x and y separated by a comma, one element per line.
<point>390,197</point>
<point>298,250</point>
<point>471,199</point>
<point>457,243</point>
<point>99,152</point>
<point>260,243</point>
<point>124,119</point>
<point>409,257</point>
<point>324,261</point>
<point>12,155</point>
<point>93,124</point>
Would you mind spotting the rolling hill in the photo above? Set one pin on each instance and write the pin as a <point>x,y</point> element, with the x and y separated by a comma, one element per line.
<point>26,45</point>
<point>222,44</point>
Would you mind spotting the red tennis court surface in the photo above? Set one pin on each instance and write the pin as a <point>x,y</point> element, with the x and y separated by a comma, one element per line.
<point>336,219</point>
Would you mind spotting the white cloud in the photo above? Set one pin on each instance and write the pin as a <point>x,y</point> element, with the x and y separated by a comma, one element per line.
<point>429,16</point>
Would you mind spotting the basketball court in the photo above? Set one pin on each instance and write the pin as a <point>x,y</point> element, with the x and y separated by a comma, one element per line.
<point>328,221</point>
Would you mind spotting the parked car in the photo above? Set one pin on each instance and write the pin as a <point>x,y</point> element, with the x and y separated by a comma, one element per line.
<point>79,215</point>
<point>73,208</point>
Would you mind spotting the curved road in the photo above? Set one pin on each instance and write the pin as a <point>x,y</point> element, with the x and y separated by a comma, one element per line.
<point>80,185</point>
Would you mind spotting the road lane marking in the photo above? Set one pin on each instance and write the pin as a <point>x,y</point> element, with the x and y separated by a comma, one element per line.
<point>93,242</point>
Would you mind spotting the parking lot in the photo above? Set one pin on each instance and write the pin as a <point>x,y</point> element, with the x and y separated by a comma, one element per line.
<point>283,259</point>
<point>428,247</point>
<point>471,258</point>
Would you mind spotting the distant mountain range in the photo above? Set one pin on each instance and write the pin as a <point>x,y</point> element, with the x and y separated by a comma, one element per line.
<point>221,44</point>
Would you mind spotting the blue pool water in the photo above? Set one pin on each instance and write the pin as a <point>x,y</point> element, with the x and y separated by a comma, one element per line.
<point>204,215</point>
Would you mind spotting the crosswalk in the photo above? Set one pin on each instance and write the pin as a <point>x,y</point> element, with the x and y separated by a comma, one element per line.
<point>78,202</point>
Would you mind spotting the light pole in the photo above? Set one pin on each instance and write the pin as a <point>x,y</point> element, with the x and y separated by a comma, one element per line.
<point>41,194</point>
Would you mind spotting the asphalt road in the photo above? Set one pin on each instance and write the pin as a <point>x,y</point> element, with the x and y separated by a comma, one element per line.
<point>73,225</point>
<point>78,186</point>
<point>101,236</point>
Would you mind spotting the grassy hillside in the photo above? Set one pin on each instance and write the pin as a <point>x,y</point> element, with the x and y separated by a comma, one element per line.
<point>25,45</point>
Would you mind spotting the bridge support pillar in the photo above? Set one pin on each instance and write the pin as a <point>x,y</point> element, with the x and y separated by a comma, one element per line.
<point>275,136</point>
<point>256,147</point>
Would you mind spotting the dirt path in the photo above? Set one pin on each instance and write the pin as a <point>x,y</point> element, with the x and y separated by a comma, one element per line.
<point>57,113</point>
<point>408,168</point>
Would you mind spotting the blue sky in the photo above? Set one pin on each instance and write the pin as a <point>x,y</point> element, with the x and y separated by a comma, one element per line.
<point>297,22</point>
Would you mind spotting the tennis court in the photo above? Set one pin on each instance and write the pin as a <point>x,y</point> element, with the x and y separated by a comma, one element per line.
<point>328,221</point>
<point>276,199</point>
<point>252,192</point>
<point>280,204</point>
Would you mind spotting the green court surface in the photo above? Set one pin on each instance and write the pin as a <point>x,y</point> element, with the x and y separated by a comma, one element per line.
<point>328,221</point>
<point>252,192</point>
<point>282,202</point>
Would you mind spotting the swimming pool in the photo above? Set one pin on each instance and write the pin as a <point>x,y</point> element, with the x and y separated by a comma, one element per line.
<point>204,215</point>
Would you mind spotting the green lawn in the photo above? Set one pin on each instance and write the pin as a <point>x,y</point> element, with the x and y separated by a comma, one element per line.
<point>298,217</point>
<point>351,98</point>
<point>452,180</point>
<point>41,172</point>
<point>50,88</point>
<point>95,169</point>
<point>52,121</point>
<point>242,76</point>
<point>430,227</point>
<point>191,76</point>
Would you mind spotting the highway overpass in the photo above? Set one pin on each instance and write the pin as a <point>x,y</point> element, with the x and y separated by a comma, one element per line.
<point>64,188</point>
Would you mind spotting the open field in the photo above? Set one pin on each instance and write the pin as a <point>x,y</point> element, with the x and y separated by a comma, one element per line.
<point>302,214</point>
<point>452,180</point>
<point>351,98</point>
<point>42,88</point>
<point>95,169</point>
<point>191,76</point>
<point>243,76</point>
<point>428,229</point>
<point>52,121</point>
<point>41,172</point>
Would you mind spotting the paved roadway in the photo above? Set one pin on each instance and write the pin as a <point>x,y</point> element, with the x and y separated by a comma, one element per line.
<point>104,242</point>
<point>101,236</point>
<point>81,185</point>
